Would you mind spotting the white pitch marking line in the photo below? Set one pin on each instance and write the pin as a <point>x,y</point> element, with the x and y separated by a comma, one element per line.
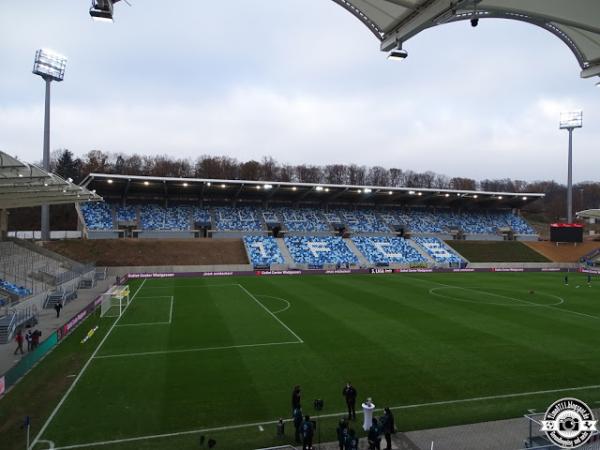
<point>142,324</point>
<point>326,416</point>
<point>511,298</point>
<point>192,350</point>
<point>171,310</point>
<point>261,428</point>
<point>277,298</point>
<point>273,315</point>
<point>50,444</point>
<point>62,400</point>
<point>189,286</point>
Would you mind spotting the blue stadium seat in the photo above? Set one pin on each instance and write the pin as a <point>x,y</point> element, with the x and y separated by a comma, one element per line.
<point>15,289</point>
<point>382,250</point>
<point>318,251</point>
<point>263,251</point>
<point>362,220</point>
<point>237,219</point>
<point>303,219</point>
<point>126,213</point>
<point>438,250</point>
<point>97,215</point>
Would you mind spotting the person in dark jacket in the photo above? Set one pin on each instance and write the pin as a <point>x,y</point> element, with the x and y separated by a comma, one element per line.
<point>388,427</point>
<point>297,417</point>
<point>19,339</point>
<point>374,436</point>
<point>57,307</point>
<point>349,393</point>
<point>351,441</point>
<point>296,398</point>
<point>308,431</point>
<point>342,433</point>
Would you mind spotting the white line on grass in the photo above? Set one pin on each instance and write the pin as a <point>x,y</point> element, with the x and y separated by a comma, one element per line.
<point>171,310</point>
<point>326,416</point>
<point>192,350</point>
<point>269,311</point>
<point>511,298</point>
<point>86,365</point>
<point>277,298</point>
<point>189,286</point>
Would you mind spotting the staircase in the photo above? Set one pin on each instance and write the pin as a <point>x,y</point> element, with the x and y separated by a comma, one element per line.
<point>287,257</point>
<point>362,261</point>
<point>422,252</point>
<point>15,320</point>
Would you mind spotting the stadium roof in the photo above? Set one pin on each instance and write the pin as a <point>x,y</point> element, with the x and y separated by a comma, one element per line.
<point>24,185</point>
<point>186,189</point>
<point>575,22</point>
<point>589,214</point>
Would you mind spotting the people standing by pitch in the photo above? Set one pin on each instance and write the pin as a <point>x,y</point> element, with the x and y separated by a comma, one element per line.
<point>349,393</point>
<point>308,431</point>
<point>19,340</point>
<point>342,433</point>
<point>297,417</point>
<point>374,436</point>
<point>296,398</point>
<point>387,427</point>
<point>57,307</point>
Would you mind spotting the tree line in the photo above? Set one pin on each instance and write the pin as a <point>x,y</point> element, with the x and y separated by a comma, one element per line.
<point>553,206</point>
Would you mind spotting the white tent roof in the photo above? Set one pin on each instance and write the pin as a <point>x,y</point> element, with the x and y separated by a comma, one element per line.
<point>23,185</point>
<point>589,214</point>
<point>575,22</point>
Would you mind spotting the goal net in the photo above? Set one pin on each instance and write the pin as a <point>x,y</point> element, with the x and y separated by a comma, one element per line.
<point>114,301</point>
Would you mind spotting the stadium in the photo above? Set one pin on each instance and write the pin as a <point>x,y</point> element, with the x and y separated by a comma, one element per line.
<point>198,311</point>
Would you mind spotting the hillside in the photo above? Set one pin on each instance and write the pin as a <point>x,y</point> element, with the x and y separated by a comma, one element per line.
<point>496,251</point>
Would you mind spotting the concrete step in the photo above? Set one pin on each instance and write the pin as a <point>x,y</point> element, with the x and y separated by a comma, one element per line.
<point>362,261</point>
<point>287,256</point>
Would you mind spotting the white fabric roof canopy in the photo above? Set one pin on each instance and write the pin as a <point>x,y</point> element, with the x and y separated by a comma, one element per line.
<point>24,185</point>
<point>575,22</point>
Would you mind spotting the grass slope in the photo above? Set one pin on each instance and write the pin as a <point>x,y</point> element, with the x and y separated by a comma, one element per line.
<point>409,341</point>
<point>496,251</point>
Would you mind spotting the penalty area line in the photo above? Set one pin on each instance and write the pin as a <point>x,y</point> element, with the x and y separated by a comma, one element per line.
<point>325,416</point>
<point>194,350</point>
<point>86,365</point>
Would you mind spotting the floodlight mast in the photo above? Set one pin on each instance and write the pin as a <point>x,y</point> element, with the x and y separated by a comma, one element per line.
<point>51,67</point>
<point>569,121</point>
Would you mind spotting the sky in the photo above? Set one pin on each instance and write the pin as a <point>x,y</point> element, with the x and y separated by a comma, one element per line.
<point>302,81</point>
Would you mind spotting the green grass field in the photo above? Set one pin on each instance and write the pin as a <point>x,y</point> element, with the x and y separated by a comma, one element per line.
<point>219,357</point>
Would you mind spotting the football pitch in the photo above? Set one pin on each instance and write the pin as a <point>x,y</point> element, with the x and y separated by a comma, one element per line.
<point>218,357</point>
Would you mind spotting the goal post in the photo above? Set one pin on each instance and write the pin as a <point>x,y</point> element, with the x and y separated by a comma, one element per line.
<point>114,301</point>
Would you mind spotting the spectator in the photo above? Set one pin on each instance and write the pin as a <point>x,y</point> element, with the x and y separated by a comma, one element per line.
<point>297,416</point>
<point>388,427</point>
<point>57,307</point>
<point>28,337</point>
<point>19,339</point>
<point>296,398</point>
<point>349,393</point>
<point>308,431</point>
<point>351,441</point>
<point>342,433</point>
<point>35,339</point>
<point>374,436</point>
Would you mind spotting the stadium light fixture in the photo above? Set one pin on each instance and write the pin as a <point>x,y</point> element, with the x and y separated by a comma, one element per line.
<point>447,195</point>
<point>208,184</point>
<point>223,185</point>
<point>419,193</point>
<point>326,189</point>
<point>268,186</point>
<point>524,198</point>
<point>319,188</point>
<point>368,191</point>
<point>411,192</point>
<point>499,197</point>
<point>475,196</point>
<point>109,181</point>
<point>294,188</point>
<point>390,192</point>
<point>102,10</point>
<point>146,183</point>
<point>359,191</point>
<point>185,185</point>
<point>258,187</point>
<point>569,121</point>
<point>398,54</point>
<point>51,67</point>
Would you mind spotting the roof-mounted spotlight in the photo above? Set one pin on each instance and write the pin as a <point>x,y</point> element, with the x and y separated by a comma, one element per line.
<point>524,198</point>
<point>102,10</point>
<point>398,54</point>
<point>367,191</point>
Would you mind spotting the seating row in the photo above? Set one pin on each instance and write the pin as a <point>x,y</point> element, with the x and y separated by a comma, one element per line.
<point>99,216</point>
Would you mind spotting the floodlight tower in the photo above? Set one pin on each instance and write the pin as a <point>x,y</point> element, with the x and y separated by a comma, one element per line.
<point>569,121</point>
<point>51,67</point>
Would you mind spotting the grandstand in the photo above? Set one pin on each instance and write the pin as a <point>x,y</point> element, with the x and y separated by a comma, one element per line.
<point>291,224</point>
